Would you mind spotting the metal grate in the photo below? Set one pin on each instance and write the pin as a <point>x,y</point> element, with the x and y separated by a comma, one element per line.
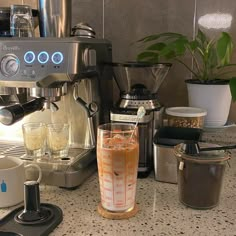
<point>11,149</point>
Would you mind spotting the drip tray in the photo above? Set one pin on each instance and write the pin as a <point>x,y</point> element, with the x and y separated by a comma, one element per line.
<point>9,226</point>
<point>67,172</point>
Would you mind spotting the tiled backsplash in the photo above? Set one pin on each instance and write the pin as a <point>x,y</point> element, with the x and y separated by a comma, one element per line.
<point>124,22</point>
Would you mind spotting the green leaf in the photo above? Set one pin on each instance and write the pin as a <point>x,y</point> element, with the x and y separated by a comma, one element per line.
<point>212,58</point>
<point>232,84</point>
<point>170,55</point>
<point>193,44</point>
<point>156,47</point>
<point>167,51</point>
<point>175,48</point>
<point>224,47</point>
<point>158,36</point>
<point>148,56</point>
<point>180,46</point>
<point>201,37</point>
<point>149,38</point>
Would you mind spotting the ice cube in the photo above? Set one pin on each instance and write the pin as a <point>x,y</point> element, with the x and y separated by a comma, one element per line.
<point>118,141</point>
<point>118,137</point>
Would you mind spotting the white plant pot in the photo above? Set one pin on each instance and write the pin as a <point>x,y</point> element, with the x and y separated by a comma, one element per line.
<point>216,99</point>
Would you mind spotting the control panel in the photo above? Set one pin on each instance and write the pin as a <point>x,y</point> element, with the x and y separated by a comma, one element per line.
<point>30,60</point>
<point>36,62</point>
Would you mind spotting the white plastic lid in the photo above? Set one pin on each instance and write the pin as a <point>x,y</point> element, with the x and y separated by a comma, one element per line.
<point>186,111</point>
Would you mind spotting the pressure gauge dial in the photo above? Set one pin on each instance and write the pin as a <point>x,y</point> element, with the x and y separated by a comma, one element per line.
<point>10,65</point>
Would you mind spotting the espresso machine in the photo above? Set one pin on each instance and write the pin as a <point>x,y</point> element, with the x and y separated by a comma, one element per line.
<point>55,80</point>
<point>138,84</point>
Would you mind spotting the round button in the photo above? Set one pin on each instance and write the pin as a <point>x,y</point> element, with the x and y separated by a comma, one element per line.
<point>57,57</point>
<point>10,65</point>
<point>43,57</point>
<point>29,57</point>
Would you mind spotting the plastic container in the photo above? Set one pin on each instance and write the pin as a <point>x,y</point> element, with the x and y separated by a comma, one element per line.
<point>200,177</point>
<point>187,117</point>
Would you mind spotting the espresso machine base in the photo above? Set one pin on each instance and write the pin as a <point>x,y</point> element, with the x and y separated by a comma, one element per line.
<point>69,172</point>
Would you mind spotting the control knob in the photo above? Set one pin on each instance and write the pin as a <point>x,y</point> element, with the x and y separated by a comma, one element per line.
<point>10,65</point>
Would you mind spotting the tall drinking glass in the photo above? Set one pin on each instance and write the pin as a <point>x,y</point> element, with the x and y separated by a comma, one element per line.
<point>21,21</point>
<point>117,158</point>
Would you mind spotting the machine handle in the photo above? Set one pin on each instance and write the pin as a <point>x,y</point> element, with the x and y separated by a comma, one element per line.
<point>11,114</point>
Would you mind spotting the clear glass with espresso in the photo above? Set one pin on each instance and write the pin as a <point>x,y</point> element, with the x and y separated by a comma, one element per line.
<point>58,140</point>
<point>34,139</point>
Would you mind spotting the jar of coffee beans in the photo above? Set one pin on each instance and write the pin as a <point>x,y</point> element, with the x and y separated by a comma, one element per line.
<point>186,117</point>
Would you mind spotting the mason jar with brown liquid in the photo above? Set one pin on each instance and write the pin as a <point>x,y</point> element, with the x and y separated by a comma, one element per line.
<point>200,177</point>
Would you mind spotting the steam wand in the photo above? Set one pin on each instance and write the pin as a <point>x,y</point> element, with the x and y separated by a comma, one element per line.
<point>91,109</point>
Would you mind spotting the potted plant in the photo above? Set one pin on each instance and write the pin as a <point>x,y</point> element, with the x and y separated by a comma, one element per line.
<point>212,84</point>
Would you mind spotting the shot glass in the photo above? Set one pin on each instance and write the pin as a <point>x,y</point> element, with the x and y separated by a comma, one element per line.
<point>58,140</point>
<point>117,158</point>
<point>21,21</point>
<point>34,139</point>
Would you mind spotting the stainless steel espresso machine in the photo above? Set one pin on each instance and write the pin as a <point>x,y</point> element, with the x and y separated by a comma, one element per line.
<point>55,80</point>
<point>138,84</point>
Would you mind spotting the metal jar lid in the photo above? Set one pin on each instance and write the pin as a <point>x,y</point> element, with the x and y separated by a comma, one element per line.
<point>83,30</point>
<point>203,157</point>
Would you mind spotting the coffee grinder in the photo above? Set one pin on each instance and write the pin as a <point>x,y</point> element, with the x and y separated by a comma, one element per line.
<point>138,84</point>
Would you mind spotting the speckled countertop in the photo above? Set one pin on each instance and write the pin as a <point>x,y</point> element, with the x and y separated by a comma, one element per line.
<point>160,212</point>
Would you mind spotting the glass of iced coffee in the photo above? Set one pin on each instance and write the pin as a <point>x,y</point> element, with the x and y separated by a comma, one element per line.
<point>117,158</point>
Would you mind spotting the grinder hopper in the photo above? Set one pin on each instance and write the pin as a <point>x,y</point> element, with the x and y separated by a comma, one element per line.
<point>139,78</point>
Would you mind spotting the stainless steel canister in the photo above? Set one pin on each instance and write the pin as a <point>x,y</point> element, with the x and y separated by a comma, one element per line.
<point>164,141</point>
<point>165,164</point>
<point>54,18</point>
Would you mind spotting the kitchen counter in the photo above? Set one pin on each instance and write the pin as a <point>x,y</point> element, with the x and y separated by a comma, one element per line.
<point>160,212</point>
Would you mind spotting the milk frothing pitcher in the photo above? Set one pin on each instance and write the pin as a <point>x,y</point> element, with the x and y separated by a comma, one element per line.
<point>54,18</point>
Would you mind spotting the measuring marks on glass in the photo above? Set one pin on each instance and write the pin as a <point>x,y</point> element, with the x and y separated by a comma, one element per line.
<point>118,178</point>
